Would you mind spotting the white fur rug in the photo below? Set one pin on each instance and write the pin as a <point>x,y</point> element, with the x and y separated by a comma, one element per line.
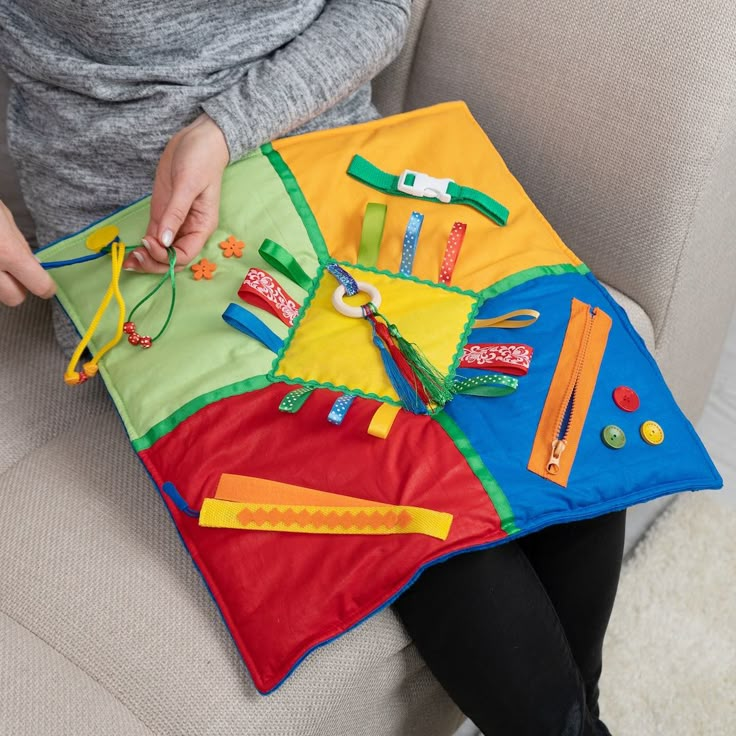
<point>670,656</point>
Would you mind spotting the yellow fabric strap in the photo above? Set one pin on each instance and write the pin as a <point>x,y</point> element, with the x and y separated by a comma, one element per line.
<point>383,420</point>
<point>510,319</point>
<point>364,520</point>
<point>117,256</point>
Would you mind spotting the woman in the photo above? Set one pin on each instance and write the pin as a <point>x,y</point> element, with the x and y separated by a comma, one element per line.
<point>107,100</point>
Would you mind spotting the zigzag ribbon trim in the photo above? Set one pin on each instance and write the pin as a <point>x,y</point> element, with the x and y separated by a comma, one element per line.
<point>363,520</point>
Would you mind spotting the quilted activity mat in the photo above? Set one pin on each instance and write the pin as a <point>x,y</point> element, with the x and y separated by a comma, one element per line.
<point>384,356</point>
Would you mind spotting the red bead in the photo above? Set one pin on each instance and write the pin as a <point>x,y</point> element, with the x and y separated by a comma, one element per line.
<point>146,341</point>
<point>82,377</point>
<point>129,328</point>
<point>134,338</point>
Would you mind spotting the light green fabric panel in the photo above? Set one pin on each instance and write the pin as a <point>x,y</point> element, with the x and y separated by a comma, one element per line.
<point>186,362</point>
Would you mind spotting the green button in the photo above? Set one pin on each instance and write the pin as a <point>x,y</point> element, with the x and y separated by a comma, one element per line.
<point>613,436</point>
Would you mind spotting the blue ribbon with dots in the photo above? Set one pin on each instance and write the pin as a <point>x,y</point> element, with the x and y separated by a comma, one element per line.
<point>411,238</point>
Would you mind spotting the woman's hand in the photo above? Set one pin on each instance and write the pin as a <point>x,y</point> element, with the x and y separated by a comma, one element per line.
<point>20,272</point>
<point>186,197</point>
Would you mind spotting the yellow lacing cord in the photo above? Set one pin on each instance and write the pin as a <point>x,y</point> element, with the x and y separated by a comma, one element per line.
<point>73,377</point>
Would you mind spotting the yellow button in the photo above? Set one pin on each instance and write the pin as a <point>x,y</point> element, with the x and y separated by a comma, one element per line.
<point>651,433</point>
<point>102,237</point>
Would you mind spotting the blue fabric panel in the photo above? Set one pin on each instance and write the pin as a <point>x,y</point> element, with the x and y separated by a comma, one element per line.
<point>502,429</point>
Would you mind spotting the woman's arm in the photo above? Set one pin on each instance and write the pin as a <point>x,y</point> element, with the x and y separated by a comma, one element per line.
<point>345,47</point>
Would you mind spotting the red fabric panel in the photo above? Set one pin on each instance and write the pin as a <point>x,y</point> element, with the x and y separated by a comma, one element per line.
<point>282,594</point>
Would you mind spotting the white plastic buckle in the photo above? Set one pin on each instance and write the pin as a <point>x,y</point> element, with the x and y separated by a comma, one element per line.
<point>424,185</point>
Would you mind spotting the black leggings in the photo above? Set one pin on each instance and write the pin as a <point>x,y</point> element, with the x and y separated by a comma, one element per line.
<point>515,633</point>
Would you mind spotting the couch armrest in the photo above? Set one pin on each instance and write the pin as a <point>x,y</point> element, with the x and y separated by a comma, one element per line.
<point>619,120</point>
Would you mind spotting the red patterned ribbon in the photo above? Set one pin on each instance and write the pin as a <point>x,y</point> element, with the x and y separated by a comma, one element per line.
<point>262,290</point>
<point>454,242</point>
<point>488,356</point>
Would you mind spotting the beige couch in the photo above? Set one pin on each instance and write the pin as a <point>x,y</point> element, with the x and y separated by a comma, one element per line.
<point>619,119</point>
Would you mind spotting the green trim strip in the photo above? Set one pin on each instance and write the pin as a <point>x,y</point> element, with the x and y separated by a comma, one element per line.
<point>489,483</point>
<point>298,200</point>
<point>521,277</point>
<point>192,407</point>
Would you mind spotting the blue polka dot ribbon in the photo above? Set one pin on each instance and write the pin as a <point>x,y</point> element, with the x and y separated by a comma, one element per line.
<point>340,409</point>
<point>411,238</point>
<point>350,284</point>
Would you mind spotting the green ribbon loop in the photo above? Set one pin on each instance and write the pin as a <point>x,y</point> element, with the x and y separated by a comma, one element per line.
<point>366,173</point>
<point>294,400</point>
<point>372,233</point>
<point>489,384</point>
<point>280,259</point>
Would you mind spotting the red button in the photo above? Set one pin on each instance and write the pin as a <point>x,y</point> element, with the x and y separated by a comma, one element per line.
<point>625,398</point>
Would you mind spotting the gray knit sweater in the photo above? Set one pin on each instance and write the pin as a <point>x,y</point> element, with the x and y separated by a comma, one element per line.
<point>101,85</point>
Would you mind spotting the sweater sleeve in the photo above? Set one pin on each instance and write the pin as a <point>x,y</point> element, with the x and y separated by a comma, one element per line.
<point>343,49</point>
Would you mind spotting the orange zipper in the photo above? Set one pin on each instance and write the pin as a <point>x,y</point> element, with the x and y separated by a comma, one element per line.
<point>568,399</point>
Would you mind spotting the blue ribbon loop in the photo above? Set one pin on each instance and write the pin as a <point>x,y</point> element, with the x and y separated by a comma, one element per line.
<point>241,319</point>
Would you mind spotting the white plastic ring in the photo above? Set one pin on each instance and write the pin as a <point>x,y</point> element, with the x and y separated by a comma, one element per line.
<point>346,309</point>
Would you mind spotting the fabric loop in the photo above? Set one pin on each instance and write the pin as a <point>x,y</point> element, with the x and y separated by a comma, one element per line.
<point>490,384</point>
<point>241,319</point>
<point>372,233</point>
<point>280,259</point>
<point>510,320</point>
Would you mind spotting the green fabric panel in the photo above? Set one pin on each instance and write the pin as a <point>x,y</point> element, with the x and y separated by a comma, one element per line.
<point>299,201</point>
<point>193,406</point>
<point>497,496</point>
<point>186,364</point>
<point>521,277</point>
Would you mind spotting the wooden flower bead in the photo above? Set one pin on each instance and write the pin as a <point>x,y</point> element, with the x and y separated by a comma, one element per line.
<point>145,341</point>
<point>134,338</point>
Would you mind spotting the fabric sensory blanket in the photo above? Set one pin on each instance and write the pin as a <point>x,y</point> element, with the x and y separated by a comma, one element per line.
<point>370,369</point>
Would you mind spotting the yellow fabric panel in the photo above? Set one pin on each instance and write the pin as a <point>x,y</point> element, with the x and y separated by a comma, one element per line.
<point>248,489</point>
<point>319,161</point>
<point>370,520</point>
<point>330,348</point>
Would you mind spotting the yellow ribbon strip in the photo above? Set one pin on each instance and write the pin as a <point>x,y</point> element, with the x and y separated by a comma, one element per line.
<point>383,420</point>
<point>510,319</point>
<point>363,520</point>
<point>245,502</point>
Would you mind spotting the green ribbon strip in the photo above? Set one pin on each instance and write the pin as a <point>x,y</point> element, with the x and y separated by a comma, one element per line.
<point>372,233</point>
<point>294,400</point>
<point>280,259</point>
<point>490,384</point>
<point>444,190</point>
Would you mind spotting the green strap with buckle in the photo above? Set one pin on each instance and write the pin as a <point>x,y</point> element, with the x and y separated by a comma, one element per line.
<point>417,185</point>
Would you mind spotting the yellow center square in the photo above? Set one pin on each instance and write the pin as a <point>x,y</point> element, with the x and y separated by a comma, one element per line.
<point>325,348</point>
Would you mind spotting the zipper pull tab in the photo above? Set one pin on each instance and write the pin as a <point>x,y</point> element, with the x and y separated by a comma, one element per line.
<point>553,464</point>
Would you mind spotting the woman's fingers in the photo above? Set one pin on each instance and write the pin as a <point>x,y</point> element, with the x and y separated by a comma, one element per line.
<point>11,292</point>
<point>19,270</point>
